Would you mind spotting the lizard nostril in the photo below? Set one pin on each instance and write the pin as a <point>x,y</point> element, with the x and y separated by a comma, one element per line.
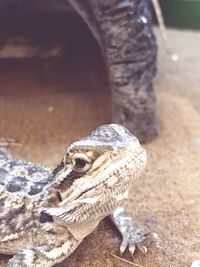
<point>59,196</point>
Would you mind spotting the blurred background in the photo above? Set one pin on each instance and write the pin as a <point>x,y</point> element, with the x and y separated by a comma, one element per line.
<point>184,14</point>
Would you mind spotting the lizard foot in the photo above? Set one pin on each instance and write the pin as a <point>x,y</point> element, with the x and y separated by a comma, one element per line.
<point>132,236</point>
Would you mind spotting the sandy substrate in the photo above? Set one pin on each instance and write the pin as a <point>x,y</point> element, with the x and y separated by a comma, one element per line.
<point>46,106</point>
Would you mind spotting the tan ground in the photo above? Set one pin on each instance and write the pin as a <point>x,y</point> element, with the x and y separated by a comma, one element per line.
<point>45,107</point>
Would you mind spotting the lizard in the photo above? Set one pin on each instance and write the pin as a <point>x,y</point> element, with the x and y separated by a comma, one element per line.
<point>46,214</point>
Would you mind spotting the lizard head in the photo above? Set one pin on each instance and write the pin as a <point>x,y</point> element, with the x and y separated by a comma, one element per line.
<point>96,174</point>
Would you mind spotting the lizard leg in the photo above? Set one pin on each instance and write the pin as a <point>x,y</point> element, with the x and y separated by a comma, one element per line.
<point>132,236</point>
<point>31,258</point>
<point>47,255</point>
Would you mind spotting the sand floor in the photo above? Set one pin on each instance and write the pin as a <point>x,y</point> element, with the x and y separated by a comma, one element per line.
<point>45,106</point>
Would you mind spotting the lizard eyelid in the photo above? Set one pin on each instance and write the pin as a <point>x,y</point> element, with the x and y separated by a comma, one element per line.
<point>81,162</point>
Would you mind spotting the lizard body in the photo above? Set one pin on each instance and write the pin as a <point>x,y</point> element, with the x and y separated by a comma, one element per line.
<point>45,215</point>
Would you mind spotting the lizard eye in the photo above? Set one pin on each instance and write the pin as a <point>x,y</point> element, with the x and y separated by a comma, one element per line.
<point>81,162</point>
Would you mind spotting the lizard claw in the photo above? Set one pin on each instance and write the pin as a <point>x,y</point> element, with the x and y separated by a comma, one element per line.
<point>124,245</point>
<point>131,249</point>
<point>142,248</point>
<point>132,240</point>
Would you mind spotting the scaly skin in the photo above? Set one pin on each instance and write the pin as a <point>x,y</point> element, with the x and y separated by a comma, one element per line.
<point>45,216</point>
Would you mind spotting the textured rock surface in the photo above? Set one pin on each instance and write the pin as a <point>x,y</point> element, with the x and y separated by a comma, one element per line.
<point>123,30</point>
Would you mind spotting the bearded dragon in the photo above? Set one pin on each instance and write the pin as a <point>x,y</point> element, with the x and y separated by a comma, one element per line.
<point>44,214</point>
